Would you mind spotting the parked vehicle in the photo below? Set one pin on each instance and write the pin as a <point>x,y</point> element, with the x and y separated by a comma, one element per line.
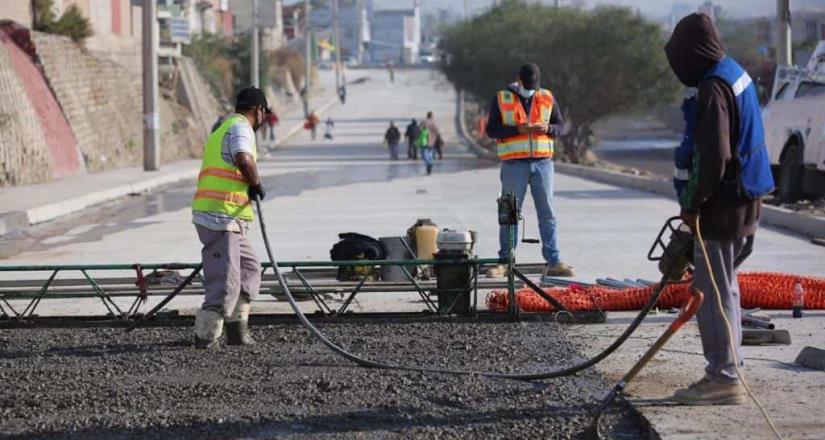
<point>794,119</point>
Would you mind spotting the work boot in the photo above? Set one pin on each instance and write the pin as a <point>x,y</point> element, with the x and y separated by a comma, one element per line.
<point>237,333</point>
<point>498,271</point>
<point>237,325</point>
<point>208,329</point>
<point>709,392</point>
<point>557,270</point>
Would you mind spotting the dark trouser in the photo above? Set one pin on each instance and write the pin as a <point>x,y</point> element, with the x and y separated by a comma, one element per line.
<point>412,150</point>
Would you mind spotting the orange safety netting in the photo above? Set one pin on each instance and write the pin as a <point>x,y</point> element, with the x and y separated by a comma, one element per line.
<point>766,290</point>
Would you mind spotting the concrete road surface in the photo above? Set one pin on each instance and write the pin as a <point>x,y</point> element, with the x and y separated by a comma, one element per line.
<point>318,189</point>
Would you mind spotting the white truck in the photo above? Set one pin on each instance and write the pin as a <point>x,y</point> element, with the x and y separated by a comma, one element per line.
<point>794,120</point>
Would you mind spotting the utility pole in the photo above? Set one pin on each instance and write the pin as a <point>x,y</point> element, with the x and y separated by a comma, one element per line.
<point>359,5</point>
<point>255,68</point>
<point>336,26</point>
<point>151,117</point>
<point>308,55</point>
<point>784,55</point>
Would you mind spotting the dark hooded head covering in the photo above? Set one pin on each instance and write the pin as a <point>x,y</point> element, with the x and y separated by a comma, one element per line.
<point>694,48</point>
<point>530,76</point>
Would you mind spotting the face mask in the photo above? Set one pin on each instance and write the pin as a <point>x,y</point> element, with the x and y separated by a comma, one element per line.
<point>525,93</point>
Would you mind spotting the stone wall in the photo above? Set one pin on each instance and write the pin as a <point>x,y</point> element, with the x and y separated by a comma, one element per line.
<point>99,98</point>
<point>24,155</point>
<point>64,110</point>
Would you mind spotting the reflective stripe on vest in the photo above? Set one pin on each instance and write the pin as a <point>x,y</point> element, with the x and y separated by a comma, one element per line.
<point>523,146</point>
<point>222,188</point>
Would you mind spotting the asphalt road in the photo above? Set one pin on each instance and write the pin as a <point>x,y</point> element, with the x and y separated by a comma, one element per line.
<point>151,384</point>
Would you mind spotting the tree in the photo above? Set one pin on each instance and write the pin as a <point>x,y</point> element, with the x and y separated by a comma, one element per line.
<point>71,24</point>
<point>596,63</point>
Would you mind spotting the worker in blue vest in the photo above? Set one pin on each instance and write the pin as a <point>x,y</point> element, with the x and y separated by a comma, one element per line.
<point>730,173</point>
<point>683,156</point>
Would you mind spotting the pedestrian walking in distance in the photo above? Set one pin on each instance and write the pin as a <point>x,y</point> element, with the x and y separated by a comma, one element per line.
<point>391,138</point>
<point>728,174</point>
<point>269,126</point>
<point>423,143</point>
<point>411,135</point>
<point>434,133</point>
<point>524,120</point>
<point>222,212</point>
<point>311,124</point>
<point>329,124</point>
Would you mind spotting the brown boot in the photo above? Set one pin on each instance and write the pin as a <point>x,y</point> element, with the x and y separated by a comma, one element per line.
<point>557,270</point>
<point>708,392</point>
<point>498,271</point>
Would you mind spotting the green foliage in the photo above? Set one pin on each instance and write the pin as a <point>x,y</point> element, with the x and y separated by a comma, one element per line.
<point>71,24</point>
<point>241,53</point>
<point>596,63</point>
<point>42,14</point>
<point>226,63</point>
<point>211,52</point>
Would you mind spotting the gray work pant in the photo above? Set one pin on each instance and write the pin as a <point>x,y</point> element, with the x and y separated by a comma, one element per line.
<point>230,269</point>
<point>715,341</point>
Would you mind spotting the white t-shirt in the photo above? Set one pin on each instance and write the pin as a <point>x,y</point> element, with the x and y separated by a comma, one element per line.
<point>240,138</point>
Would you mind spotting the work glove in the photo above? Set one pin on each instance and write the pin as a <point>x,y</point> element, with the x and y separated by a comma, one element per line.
<point>256,191</point>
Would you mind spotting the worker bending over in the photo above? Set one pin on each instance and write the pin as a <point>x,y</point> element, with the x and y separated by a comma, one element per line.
<point>730,173</point>
<point>222,213</point>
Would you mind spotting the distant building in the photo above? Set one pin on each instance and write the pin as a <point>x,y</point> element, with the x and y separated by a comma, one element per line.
<point>349,23</point>
<point>293,21</point>
<point>271,20</point>
<point>210,16</point>
<point>396,35</point>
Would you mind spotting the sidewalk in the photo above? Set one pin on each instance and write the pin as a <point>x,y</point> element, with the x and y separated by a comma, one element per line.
<point>789,392</point>
<point>26,205</point>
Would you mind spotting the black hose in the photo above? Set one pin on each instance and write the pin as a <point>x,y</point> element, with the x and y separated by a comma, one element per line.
<point>375,364</point>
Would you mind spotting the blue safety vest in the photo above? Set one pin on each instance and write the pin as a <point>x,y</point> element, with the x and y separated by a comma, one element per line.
<point>683,155</point>
<point>752,154</point>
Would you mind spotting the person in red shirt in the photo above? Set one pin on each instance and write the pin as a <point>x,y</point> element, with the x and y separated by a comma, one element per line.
<point>270,121</point>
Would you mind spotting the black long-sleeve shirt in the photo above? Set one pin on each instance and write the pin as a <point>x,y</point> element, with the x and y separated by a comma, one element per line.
<point>497,130</point>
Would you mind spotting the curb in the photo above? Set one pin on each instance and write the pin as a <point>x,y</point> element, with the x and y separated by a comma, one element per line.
<point>54,210</point>
<point>461,131</point>
<point>793,221</point>
<point>13,221</point>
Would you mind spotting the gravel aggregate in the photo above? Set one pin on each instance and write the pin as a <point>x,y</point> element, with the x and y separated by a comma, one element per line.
<point>151,383</point>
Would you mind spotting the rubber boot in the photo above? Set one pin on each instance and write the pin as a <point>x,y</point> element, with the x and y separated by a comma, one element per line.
<point>208,329</point>
<point>237,326</point>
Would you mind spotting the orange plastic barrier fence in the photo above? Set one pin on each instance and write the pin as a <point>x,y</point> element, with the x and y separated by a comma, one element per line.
<point>765,290</point>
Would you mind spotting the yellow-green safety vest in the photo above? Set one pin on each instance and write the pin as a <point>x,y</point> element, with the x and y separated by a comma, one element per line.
<point>222,188</point>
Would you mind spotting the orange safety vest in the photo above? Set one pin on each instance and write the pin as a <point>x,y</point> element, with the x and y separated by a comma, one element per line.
<point>523,146</point>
